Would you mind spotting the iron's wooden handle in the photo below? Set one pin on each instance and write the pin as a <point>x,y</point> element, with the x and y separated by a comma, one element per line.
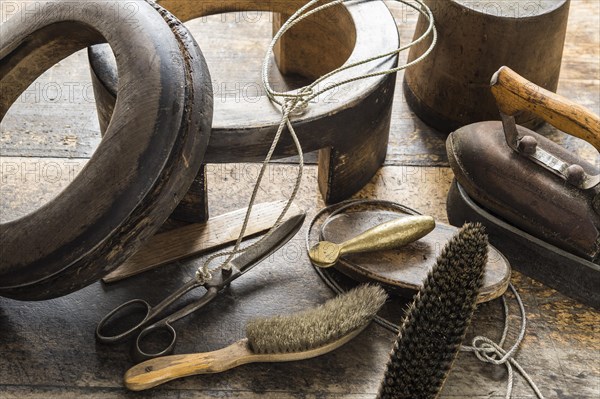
<point>154,372</point>
<point>514,93</point>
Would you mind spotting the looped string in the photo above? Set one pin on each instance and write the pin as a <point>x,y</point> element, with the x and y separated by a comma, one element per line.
<point>203,275</point>
<point>302,14</point>
<point>488,351</point>
<point>295,103</point>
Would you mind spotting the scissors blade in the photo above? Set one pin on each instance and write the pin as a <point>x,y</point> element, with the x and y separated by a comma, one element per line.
<point>280,236</point>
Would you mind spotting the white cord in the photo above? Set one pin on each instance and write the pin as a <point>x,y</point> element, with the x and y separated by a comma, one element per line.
<point>295,103</point>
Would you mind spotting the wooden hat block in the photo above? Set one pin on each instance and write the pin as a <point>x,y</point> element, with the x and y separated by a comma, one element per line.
<point>141,168</point>
<point>450,88</point>
<point>350,131</point>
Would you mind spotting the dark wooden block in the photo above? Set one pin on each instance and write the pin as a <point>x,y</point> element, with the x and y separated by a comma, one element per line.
<point>450,88</point>
<point>350,126</point>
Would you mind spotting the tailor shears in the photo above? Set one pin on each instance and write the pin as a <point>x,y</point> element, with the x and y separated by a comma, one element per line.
<point>215,284</point>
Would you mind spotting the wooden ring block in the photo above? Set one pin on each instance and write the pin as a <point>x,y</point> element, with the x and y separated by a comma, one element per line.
<point>351,132</point>
<point>149,156</point>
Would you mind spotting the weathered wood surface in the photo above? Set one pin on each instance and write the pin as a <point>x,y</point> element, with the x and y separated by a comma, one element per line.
<point>48,351</point>
<point>353,120</point>
<point>137,176</point>
<point>450,88</point>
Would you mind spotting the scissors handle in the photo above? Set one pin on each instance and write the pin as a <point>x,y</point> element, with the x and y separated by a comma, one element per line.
<point>139,355</point>
<point>131,306</point>
<point>165,325</point>
<point>124,309</point>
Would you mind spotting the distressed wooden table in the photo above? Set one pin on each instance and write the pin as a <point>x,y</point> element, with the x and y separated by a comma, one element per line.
<point>48,350</point>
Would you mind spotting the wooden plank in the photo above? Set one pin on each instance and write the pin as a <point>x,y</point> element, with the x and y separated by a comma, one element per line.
<point>197,238</point>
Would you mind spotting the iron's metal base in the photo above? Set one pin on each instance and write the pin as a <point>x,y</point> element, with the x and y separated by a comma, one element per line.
<point>569,274</point>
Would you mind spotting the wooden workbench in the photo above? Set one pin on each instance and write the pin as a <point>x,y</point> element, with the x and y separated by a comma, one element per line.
<point>48,350</point>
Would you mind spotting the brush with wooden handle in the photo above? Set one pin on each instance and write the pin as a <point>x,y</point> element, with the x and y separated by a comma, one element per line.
<point>298,336</point>
<point>388,235</point>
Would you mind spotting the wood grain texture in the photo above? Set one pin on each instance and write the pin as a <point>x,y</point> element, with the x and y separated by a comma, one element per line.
<point>514,93</point>
<point>350,122</point>
<point>450,88</point>
<point>47,349</point>
<point>153,148</point>
<point>196,238</point>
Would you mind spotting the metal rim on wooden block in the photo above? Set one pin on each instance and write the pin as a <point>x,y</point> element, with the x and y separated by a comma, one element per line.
<point>151,151</point>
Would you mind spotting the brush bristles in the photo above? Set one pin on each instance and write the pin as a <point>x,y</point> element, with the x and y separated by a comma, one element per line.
<point>437,320</point>
<point>316,327</point>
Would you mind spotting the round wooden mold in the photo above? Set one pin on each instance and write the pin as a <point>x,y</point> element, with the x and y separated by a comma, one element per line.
<point>354,125</point>
<point>403,270</point>
<point>151,151</point>
<point>450,88</point>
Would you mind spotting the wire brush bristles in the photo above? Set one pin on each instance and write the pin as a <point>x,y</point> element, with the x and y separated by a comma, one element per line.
<point>316,327</point>
<point>437,320</point>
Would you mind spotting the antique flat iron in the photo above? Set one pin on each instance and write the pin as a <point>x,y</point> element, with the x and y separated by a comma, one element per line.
<point>539,202</point>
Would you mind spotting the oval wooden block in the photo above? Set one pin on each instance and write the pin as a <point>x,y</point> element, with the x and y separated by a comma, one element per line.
<point>403,270</point>
<point>350,126</point>
<point>148,158</point>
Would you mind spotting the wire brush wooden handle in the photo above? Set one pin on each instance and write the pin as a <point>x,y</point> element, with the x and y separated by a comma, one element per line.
<point>514,93</point>
<point>157,371</point>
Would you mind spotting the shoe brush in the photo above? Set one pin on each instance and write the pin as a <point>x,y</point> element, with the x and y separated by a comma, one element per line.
<point>286,338</point>
<point>388,235</point>
<point>437,320</point>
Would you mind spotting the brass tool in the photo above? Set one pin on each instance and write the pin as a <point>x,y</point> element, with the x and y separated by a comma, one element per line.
<point>389,235</point>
